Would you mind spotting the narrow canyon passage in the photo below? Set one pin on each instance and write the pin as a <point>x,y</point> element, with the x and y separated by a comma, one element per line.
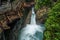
<point>32,31</point>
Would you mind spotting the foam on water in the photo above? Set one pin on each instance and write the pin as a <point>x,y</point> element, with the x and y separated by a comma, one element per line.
<point>31,30</point>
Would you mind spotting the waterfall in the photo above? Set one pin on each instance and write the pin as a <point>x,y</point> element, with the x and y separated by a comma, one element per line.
<point>32,31</point>
<point>33,16</point>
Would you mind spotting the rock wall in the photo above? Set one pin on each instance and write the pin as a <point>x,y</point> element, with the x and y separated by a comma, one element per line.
<point>41,15</point>
<point>12,20</point>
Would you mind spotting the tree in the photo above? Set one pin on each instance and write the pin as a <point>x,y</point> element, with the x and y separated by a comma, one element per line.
<point>53,24</point>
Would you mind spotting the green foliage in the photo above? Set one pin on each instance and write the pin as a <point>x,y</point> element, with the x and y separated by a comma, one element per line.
<point>53,24</point>
<point>47,35</point>
<point>40,3</point>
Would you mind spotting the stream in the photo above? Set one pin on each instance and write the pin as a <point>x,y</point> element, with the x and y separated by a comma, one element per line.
<point>32,31</point>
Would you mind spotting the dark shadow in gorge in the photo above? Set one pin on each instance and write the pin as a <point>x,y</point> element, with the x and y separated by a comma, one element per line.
<point>11,34</point>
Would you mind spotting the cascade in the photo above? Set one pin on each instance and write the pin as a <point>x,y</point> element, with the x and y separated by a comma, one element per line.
<point>32,31</point>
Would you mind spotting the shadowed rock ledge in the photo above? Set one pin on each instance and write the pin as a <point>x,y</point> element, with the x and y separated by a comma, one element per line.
<point>12,18</point>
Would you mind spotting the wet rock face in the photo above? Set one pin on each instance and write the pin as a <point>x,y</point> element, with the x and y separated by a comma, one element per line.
<point>41,15</point>
<point>11,34</point>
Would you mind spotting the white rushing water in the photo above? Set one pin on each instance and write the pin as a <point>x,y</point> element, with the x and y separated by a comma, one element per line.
<point>32,31</point>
